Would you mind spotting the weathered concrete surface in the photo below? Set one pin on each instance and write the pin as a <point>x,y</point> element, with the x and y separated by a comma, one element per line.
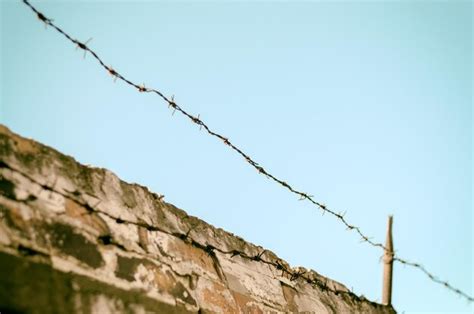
<point>75,239</point>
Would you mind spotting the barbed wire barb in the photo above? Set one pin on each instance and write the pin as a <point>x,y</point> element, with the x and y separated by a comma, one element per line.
<point>197,120</point>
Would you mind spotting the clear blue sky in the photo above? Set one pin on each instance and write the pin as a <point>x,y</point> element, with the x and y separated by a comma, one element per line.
<point>366,105</point>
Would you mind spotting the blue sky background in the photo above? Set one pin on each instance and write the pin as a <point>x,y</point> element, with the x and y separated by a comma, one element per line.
<point>366,105</point>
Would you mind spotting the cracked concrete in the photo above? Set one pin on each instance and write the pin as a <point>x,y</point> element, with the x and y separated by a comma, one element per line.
<point>112,246</point>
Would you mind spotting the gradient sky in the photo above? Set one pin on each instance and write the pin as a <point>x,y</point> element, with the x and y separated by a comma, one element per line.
<point>365,105</point>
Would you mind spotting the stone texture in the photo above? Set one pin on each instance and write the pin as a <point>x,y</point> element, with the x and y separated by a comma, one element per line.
<point>77,239</point>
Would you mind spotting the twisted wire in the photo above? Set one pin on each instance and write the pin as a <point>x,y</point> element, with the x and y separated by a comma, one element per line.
<point>260,169</point>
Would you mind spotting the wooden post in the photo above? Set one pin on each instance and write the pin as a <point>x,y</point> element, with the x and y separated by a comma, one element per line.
<point>388,265</point>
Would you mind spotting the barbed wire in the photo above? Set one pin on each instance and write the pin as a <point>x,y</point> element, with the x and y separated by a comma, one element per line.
<point>430,275</point>
<point>197,120</point>
<point>260,169</point>
<point>287,272</point>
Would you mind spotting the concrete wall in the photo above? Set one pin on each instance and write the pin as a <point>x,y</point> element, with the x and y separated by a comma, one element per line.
<point>76,239</point>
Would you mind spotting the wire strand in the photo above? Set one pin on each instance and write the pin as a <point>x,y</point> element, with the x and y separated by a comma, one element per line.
<point>260,169</point>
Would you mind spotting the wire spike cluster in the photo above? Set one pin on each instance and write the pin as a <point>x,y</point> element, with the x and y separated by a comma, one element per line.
<point>260,169</point>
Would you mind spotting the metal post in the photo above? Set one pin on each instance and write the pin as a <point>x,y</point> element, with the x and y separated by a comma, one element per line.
<point>388,265</point>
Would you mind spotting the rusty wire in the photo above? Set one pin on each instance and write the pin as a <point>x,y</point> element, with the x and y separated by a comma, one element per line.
<point>196,119</point>
<point>108,239</point>
<point>260,169</point>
